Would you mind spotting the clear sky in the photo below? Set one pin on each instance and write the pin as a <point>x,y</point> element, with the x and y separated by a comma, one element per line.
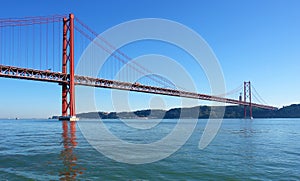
<point>253,40</point>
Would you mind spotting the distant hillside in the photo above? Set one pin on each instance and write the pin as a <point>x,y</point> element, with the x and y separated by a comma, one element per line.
<point>292,111</point>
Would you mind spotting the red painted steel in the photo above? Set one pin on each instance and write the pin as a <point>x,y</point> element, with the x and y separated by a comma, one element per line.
<point>64,69</point>
<point>103,83</point>
<point>247,94</point>
<point>71,62</point>
<point>68,88</point>
<point>250,99</point>
<point>32,74</point>
<point>57,77</point>
<point>245,97</point>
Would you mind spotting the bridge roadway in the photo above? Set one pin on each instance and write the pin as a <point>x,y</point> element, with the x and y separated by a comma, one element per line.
<point>58,77</point>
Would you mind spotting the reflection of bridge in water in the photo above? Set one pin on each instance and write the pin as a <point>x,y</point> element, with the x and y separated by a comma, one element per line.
<point>29,46</point>
<point>70,170</point>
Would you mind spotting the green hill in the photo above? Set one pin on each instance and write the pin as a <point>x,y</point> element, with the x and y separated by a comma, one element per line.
<point>292,111</point>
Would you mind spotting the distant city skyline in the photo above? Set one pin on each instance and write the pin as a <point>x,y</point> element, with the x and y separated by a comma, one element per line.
<point>255,41</point>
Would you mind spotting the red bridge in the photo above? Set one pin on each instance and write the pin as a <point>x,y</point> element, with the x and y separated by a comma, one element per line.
<point>35,39</point>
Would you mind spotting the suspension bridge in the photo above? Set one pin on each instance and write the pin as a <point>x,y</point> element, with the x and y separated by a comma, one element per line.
<point>31,49</point>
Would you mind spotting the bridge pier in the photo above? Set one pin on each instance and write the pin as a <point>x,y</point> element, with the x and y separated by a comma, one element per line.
<point>68,118</point>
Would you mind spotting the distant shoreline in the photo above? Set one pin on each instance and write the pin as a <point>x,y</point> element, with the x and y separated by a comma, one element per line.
<point>231,112</point>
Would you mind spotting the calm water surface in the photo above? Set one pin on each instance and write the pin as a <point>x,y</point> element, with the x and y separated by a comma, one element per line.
<point>261,149</point>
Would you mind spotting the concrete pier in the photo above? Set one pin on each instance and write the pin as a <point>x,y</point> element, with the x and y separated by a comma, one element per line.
<point>68,118</point>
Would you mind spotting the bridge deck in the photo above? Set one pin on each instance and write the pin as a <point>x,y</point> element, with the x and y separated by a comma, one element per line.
<point>58,77</point>
<point>32,74</point>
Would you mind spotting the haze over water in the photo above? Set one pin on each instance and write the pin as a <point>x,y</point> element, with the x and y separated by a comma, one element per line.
<point>259,149</point>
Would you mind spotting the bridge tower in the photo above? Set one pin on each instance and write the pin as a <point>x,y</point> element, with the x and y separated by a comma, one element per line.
<point>247,96</point>
<point>68,88</point>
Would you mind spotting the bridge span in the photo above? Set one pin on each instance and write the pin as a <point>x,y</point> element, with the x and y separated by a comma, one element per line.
<point>61,78</point>
<point>28,44</point>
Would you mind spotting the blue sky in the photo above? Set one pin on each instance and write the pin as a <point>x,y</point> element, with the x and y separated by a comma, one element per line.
<point>253,40</point>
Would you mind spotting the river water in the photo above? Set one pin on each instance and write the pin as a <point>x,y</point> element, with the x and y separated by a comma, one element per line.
<point>258,149</point>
